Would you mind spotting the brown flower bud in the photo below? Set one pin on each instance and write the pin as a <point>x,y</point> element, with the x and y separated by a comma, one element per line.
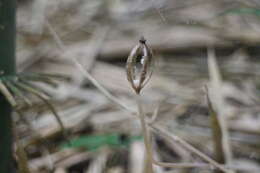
<point>139,65</point>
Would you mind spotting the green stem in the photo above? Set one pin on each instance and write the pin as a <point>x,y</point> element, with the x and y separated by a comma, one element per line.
<point>7,67</point>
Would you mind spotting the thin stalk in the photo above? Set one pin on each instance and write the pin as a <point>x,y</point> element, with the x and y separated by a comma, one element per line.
<point>147,143</point>
<point>217,97</point>
<point>100,87</point>
<point>18,93</point>
<point>33,90</point>
<point>41,79</point>
<point>85,73</point>
<point>148,146</point>
<point>149,149</point>
<point>7,94</point>
<point>45,75</point>
<point>172,137</point>
<point>216,131</point>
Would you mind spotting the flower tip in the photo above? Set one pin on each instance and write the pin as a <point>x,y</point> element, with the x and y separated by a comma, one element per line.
<point>142,40</point>
<point>139,65</point>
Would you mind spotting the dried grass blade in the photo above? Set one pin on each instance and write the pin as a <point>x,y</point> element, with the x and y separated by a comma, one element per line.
<point>147,141</point>
<point>216,131</point>
<point>217,99</point>
<point>37,92</point>
<point>42,80</point>
<point>171,137</point>
<point>88,76</point>
<point>4,90</point>
<point>18,92</point>
<point>47,75</point>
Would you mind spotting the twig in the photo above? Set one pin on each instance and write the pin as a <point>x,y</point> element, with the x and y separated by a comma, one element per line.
<point>86,73</point>
<point>7,94</point>
<point>147,142</point>
<point>148,146</point>
<point>218,98</point>
<point>216,131</point>
<point>101,88</point>
<point>38,16</point>
<point>31,89</point>
<point>170,136</point>
<point>18,92</point>
<point>55,36</point>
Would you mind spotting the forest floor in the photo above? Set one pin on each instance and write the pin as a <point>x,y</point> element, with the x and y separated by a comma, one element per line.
<point>84,39</point>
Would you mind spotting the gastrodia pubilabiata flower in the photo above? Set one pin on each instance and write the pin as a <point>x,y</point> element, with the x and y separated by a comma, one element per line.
<point>139,65</point>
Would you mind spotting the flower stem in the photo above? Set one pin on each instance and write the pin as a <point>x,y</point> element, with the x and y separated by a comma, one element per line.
<point>147,143</point>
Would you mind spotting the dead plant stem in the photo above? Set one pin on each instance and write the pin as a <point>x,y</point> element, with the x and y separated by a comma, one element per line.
<point>216,81</point>
<point>147,142</point>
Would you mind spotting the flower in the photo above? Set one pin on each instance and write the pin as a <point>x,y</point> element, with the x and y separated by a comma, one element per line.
<point>139,65</point>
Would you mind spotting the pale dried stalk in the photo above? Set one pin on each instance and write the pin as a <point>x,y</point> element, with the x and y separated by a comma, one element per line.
<point>170,137</point>
<point>176,139</point>
<point>100,87</point>
<point>147,143</point>
<point>7,94</point>
<point>85,72</point>
<point>216,81</point>
<point>99,163</point>
<point>148,146</point>
<point>216,130</point>
<point>18,92</point>
<point>33,90</point>
<point>137,157</point>
<point>38,16</point>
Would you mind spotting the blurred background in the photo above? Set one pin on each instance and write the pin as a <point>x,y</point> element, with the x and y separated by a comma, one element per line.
<point>99,35</point>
